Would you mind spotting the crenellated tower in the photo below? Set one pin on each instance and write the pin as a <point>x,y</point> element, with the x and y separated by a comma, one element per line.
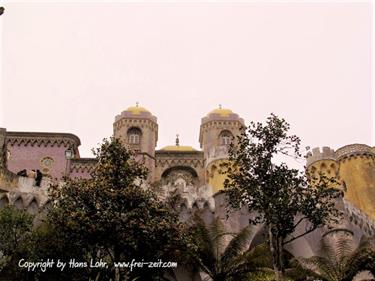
<point>357,171</point>
<point>354,168</point>
<point>218,129</point>
<point>137,128</point>
<point>322,162</point>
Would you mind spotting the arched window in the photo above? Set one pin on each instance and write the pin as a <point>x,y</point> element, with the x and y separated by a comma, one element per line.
<point>225,137</point>
<point>134,136</point>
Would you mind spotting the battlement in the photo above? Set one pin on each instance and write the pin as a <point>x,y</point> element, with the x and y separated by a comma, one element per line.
<point>353,150</point>
<point>317,154</point>
<point>346,151</point>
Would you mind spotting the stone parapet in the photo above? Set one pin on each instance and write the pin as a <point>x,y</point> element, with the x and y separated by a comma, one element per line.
<point>27,185</point>
<point>317,154</point>
<point>26,195</point>
<point>346,151</point>
<point>353,150</point>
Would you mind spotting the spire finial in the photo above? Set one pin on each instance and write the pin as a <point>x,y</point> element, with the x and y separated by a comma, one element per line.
<point>137,104</point>
<point>177,140</point>
<point>220,106</point>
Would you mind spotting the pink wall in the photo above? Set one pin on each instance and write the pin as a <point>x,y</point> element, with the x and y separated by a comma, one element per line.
<point>28,157</point>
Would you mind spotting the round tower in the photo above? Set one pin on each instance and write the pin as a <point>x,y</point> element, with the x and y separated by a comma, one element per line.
<point>218,129</point>
<point>357,171</point>
<point>322,162</point>
<point>137,128</point>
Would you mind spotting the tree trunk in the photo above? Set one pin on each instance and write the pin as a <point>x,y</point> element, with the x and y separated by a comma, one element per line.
<point>276,251</point>
<point>117,274</point>
<point>117,269</point>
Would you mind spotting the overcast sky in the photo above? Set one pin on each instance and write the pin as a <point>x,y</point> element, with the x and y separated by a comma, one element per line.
<point>69,67</point>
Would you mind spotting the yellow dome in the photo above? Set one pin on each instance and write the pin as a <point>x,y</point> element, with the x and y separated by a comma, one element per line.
<point>136,110</point>
<point>224,112</point>
<point>178,148</point>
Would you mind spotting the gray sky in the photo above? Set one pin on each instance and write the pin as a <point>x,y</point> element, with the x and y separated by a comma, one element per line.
<point>72,67</point>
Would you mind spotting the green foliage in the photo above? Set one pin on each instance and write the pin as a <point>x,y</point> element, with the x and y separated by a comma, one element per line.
<point>15,225</point>
<point>220,259</point>
<point>278,196</point>
<point>340,259</point>
<point>15,230</point>
<point>111,216</point>
<point>48,242</point>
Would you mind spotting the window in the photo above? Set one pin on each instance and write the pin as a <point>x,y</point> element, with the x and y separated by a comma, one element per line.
<point>225,137</point>
<point>134,136</point>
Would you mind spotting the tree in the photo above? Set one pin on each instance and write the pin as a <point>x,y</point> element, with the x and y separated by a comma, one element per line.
<point>221,260</point>
<point>340,259</point>
<point>15,229</point>
<point>113,217</point>
<point>47,241</point>
<point>278,196</point>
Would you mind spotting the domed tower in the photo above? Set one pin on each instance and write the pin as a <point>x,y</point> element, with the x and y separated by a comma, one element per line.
<point>137,128</point>
<point>357,171</point>
<point>218,129</point>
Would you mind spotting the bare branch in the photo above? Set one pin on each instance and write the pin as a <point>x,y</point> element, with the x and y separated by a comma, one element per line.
<point>299,236</point>
<point>299,222</point>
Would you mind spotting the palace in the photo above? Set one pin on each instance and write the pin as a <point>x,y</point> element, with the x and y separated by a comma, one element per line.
<point>31,160</point>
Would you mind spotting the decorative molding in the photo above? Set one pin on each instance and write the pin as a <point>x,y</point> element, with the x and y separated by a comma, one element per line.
<point>46,162</point>
<point>26,198</point>
<point>140,123</point>
<point>181,158</point>
<point>42,139</point>
<point>219,124</point>
<point>124,122</point>
<point>82,165</point>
